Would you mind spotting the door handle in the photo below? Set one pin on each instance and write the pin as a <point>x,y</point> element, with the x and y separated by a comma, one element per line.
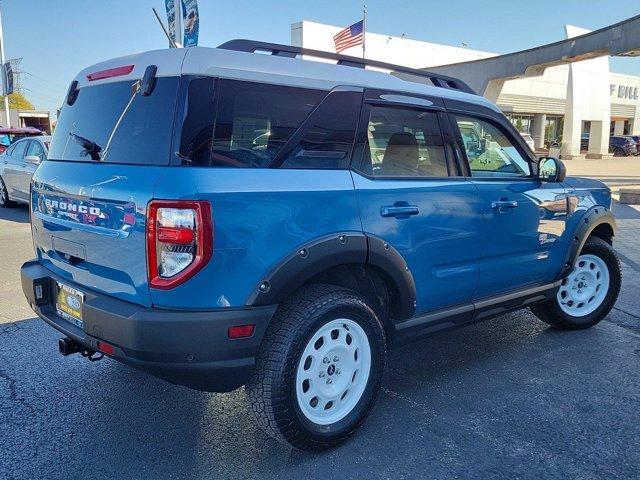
<point>503,205</point>
<point>399,211</point>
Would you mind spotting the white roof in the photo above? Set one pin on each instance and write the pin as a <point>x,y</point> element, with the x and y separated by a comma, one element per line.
<point>267,68</point>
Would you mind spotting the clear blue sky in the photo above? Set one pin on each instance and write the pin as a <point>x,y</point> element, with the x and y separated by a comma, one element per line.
<point>57,38</point>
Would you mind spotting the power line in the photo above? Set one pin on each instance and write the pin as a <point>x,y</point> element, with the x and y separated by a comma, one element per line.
<point>47,81</point>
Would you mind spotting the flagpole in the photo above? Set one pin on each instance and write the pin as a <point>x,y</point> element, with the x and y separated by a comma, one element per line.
<point>364,29</point>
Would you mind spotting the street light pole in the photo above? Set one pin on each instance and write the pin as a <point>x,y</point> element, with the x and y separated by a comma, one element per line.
<point>4,77</point>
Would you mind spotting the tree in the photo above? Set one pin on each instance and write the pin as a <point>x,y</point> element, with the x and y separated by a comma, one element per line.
<point>519,126</point>
<point>17,101</point>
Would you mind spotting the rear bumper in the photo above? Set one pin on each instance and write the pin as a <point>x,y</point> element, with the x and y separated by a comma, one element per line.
<point>189,348</point>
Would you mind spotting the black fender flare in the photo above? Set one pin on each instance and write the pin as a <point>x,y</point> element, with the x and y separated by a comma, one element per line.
<point>334,250</point>
<point>591,219</point>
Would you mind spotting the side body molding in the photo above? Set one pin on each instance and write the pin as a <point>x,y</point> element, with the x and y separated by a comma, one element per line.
<point>591,219</point>
<point>347,248</point>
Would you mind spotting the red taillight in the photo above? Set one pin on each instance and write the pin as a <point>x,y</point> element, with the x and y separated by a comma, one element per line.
<point>175,235</point>
<point>241,331</point>
<point>111,72</point>
<point>179,241</point>
<point>106,348</point>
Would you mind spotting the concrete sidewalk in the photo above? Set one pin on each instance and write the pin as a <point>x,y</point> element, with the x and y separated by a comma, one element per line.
<point>614,172</point>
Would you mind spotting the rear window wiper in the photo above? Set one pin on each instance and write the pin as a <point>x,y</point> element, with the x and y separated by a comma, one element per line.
<point>91,149</point>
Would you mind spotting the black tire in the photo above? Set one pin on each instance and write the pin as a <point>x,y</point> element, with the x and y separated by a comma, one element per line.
<point>271,389</point>
<point>618,152</point>
<point>4,196</point>
<point>550,311</point>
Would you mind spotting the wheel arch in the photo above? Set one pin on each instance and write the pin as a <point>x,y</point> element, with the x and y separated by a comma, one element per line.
<point>597,221</point>
<point>343,259</point>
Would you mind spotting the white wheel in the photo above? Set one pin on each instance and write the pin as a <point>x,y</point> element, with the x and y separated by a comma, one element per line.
<point>582,292</point>
<point>333,371</point>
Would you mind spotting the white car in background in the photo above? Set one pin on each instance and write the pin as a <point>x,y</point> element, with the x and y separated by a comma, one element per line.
<point>529,140</point>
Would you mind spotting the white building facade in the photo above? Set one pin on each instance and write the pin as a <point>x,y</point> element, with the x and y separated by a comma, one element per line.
<point>578,105</point>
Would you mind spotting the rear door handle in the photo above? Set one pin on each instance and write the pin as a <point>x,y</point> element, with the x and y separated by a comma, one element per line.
<point>503,205</point>
<point>399,211</point>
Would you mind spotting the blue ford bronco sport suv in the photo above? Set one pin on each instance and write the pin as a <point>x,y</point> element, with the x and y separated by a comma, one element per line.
<point>219,218</point>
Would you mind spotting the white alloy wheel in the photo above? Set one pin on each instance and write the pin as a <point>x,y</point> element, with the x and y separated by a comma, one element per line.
<point>582,292</point>
<point>333,371</point>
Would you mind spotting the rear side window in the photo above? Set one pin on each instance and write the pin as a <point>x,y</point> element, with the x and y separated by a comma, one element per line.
<point>326,138</point>
<point>143,135</point>
<point>19,149</point>
<point>229,123</point>
<point>254,121</point>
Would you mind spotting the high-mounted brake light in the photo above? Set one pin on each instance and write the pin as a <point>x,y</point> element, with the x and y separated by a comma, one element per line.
<point>110,72</point>
<point>179,241</point>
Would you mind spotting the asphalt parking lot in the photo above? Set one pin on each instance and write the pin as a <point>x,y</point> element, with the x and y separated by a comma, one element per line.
<point>508,398</point>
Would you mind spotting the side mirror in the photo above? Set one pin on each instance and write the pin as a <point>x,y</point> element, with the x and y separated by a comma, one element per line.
<point>550,169</point>
<point>32,159</point>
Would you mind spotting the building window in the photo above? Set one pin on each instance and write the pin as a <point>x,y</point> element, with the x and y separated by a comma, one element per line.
<point>553,130</point>
<point>522,123</point>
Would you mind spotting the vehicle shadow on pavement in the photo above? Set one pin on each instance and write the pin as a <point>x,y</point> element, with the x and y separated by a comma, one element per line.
<point>449,404</point>
<point>17,214</point>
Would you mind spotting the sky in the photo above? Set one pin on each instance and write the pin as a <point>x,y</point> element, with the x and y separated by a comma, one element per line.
<point>58,38</point>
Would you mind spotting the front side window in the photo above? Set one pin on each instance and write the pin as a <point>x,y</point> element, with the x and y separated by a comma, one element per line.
<point>489,150</point>
<point>35,150</point>
<point>254,121</point>
<point>404,143</point>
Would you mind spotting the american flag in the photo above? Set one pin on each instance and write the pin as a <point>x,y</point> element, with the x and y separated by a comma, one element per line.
<point>349,37</point>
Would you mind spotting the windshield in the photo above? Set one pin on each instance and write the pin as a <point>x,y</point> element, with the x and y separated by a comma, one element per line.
<point>143,135</point>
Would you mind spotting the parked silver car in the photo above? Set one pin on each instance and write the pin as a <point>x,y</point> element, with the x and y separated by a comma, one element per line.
<point>17,165</point>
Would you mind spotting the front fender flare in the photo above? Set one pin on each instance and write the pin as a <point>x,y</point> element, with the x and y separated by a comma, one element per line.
<point>591,219</point>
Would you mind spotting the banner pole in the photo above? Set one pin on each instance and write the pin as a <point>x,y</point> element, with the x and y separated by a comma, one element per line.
<point>172,44</point>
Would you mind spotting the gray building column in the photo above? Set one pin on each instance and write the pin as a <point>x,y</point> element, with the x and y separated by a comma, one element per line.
<point>537,129</point>
<point>635,122</point>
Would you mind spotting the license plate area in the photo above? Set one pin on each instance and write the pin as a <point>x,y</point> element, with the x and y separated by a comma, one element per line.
<point>69,302</point>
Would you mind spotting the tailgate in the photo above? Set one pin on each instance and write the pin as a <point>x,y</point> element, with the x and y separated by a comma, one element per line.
<point>88,222</point>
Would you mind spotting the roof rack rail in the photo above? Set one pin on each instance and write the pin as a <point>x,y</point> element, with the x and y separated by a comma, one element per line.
<point>252,46</point>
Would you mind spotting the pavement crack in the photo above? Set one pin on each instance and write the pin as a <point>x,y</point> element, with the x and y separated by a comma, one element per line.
<point>13,391</point>
<point>634,315</point>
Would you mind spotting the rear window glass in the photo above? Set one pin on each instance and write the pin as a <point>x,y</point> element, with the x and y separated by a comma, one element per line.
<point>143,135</point>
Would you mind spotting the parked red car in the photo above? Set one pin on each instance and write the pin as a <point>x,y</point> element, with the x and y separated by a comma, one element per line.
<point>8,135</point>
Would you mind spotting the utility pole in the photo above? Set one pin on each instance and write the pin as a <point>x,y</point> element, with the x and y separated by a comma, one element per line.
<point>4,79</point>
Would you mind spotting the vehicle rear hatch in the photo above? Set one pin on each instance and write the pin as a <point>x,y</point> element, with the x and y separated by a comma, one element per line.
<point>110,146</point>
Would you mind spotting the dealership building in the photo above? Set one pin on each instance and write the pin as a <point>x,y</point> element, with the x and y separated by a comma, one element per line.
<point>565,104</point>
